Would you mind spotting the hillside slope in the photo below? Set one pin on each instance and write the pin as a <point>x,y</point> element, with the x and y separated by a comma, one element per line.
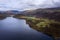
<point>50,13</point>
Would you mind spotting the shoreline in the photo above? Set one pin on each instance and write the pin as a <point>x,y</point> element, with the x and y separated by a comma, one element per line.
<point>31,21</point>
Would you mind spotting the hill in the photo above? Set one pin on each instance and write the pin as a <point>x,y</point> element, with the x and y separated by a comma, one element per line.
<point>50,13</point>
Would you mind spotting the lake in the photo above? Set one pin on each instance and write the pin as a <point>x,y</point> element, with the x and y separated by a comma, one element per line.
<point>17,29</point>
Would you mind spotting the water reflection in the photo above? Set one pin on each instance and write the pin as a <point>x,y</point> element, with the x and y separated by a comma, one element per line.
<point>17,29</point>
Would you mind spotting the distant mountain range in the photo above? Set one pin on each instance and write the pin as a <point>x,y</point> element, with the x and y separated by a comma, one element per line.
<point>10,12</point>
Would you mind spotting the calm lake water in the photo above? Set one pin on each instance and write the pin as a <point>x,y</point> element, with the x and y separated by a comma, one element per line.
<point>17,29</point>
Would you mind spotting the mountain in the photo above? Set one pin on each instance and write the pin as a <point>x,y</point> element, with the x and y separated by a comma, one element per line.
<point>13,11</point>
<point>50,13</point>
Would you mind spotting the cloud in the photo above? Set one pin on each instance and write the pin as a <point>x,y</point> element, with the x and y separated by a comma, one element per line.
<point>27,4</point>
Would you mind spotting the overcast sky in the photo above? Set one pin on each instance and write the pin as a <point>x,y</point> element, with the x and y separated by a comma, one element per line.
<point>27,4</point>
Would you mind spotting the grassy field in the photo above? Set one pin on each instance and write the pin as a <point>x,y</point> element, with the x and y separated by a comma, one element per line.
<point>49,27</point>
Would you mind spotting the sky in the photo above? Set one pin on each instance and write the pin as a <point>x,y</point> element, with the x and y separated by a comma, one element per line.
<point>27,4</point>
